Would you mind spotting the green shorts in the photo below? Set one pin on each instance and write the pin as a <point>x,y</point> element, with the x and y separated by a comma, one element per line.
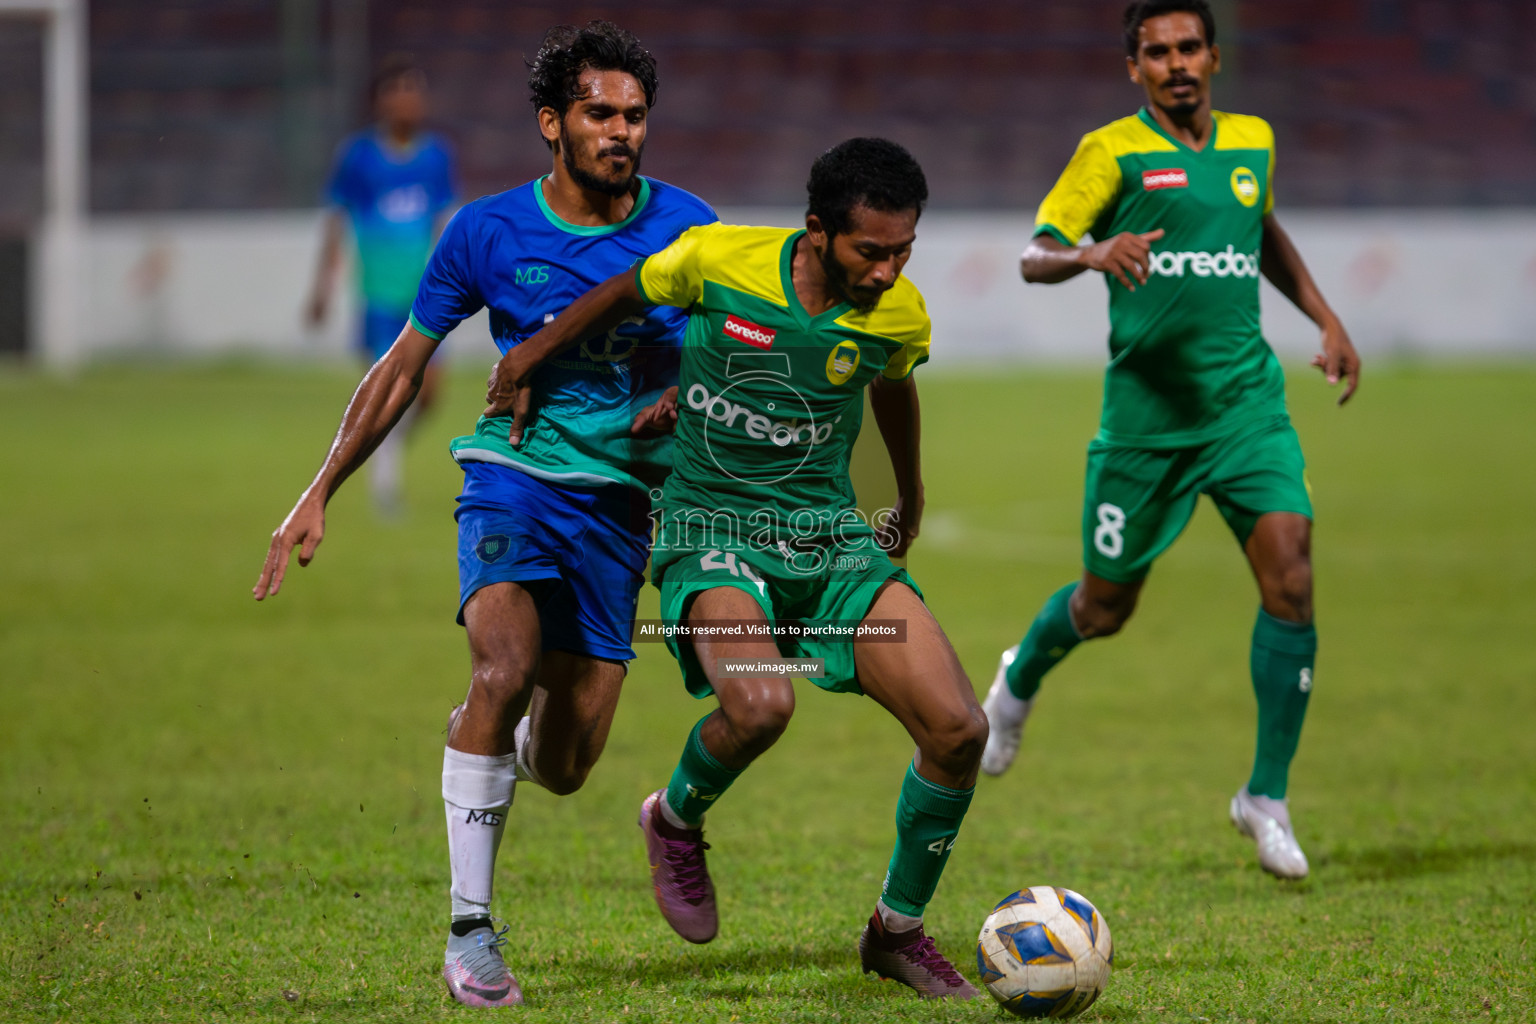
<point>1138,500</point>
<point>842,591</point>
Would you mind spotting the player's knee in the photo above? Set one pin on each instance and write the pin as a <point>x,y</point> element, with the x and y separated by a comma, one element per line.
<point>956,744</point>
<point>569,771</point>
<point>1287,591</point>
<point>562,780</point>
<point>761,718</point>
<point>767,720</point>
<point>499,683</point>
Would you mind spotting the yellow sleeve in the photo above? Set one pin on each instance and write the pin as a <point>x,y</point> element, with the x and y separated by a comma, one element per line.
<point>1085,189</point>
<point>674,276</point>
<point>914,346</point>
<point>1269,183</point>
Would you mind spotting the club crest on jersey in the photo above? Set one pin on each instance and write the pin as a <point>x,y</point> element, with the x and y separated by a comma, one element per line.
<point>490,549</point>
<point>748,332</point>
<point>1245,185</point>
<point>842,361</point>
<point>1168,177</point>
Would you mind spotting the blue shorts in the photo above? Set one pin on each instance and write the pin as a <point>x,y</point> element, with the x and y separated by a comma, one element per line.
<point>378,330</point>
<point>583,549</point>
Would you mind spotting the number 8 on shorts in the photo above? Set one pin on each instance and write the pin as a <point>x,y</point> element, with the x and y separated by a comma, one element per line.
<point>1109,537</point>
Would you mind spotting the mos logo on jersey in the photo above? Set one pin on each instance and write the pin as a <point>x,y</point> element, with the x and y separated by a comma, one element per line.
<point>1245,185</point>
<point>842,361</point>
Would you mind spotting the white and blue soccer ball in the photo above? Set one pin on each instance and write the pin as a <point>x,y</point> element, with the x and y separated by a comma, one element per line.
<point>1045,952</point>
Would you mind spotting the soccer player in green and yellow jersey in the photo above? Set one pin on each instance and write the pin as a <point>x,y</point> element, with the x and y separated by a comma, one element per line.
<point>1179,201</point>
<point>759,529</point>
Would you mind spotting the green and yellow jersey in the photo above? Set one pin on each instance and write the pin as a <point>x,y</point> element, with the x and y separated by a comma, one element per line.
<point>1188,361</point>
<point>769,397</point>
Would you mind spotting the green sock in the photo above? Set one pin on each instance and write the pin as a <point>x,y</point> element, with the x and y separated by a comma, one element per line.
<point>1049,639</point>
<point>928,818</point>
<point>1281,662</point>
<point>699,779</point>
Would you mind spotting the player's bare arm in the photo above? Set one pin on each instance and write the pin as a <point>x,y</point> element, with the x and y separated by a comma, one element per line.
<point>383,396</point>
<point>1126,255</point>
<point>899,417</point>
<point>319,303</point>
<point>599,310</point>
<point>1283,266</point>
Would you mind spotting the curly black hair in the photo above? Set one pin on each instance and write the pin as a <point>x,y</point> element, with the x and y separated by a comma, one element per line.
<point>871,172</point>
<point>1140,10</point>
<point>554,73</point>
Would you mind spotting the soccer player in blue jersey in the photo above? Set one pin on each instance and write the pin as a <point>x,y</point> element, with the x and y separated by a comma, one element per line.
<point>553,535</point>
<point>391,183</point>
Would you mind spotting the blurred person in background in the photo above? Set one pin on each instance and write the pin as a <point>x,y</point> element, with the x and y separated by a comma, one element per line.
<point>1179,200</point>
<point>553,533</point>
<point>392,183</point>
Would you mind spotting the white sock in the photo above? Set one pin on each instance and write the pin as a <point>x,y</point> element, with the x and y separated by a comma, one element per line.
<point>477,794</point>
<point>522,737</point>
<point>896,922</point>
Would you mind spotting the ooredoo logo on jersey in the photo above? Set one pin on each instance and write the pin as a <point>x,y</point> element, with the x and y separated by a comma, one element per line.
<point>1168,177</point>
<point>746,331</point>
<point>1227,262</point>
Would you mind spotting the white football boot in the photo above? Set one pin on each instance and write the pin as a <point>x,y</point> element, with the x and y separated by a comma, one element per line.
<point>1006,715</point>
<point>476,973</point>
<point>1267,822</point>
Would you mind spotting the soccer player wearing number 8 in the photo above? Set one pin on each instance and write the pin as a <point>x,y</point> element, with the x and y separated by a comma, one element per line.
<point>759,524</point>
<point>1178,199</point>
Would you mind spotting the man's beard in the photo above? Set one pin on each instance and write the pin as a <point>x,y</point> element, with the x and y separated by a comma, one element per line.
<point>862,299</point>
<point>594,182</point>
<point>1182,107</point>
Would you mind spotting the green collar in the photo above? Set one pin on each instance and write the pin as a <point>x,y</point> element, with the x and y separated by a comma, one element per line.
<point>791,300</point>
<point>1151,122</point>
<point>586,229</point>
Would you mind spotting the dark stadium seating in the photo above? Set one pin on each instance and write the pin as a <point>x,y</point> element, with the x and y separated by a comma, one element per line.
<point>222,104</point>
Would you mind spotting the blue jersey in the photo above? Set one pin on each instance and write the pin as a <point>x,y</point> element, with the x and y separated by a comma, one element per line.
<point>510,253</point>
<point>393,198</point>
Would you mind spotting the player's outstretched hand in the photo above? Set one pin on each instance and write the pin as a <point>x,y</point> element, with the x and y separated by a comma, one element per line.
<point>658,418</point>
<point>1127,255</point>
<point>303,529</point>
<point>508,391</point>
<point>1339,359</point>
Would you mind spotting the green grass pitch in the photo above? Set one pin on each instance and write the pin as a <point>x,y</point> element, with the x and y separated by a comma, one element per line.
<point>213,810</point>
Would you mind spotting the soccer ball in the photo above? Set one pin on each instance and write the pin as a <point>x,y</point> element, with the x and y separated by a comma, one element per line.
<point>1045,952</point>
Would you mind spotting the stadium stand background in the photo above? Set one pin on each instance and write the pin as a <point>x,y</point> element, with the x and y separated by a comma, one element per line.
<point>1407,148</point>
<point>237,104</point>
